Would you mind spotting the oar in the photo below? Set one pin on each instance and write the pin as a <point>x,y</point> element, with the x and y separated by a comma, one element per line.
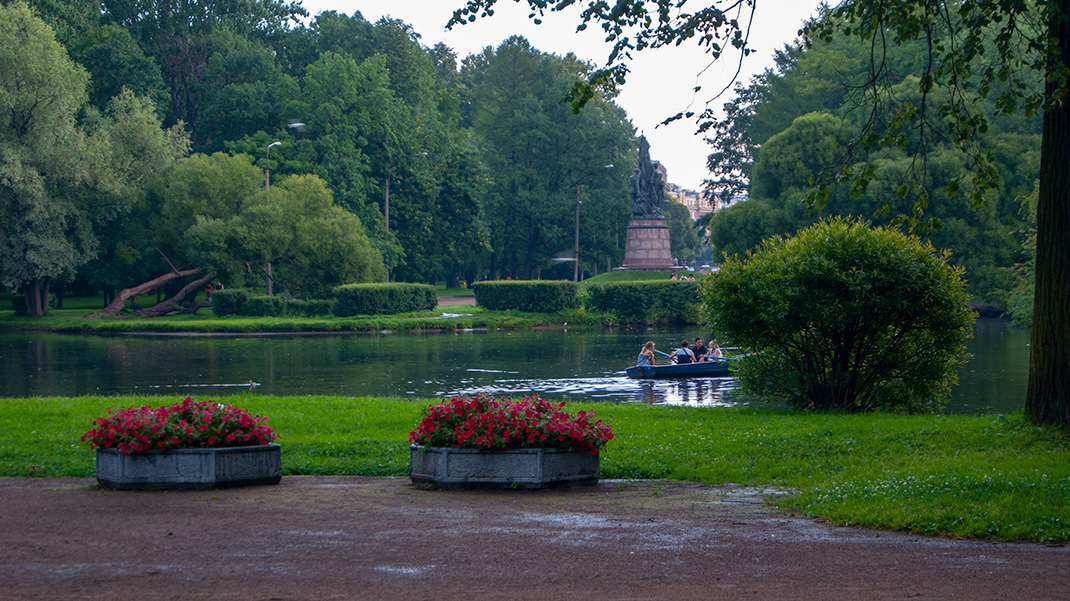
<point>662,354</point>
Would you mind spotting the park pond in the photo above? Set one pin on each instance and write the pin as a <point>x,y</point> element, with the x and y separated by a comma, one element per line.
<point>559,363</point>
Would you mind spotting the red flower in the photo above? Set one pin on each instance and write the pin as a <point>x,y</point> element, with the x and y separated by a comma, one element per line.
<point>204,423</point>
<point>503,423</point>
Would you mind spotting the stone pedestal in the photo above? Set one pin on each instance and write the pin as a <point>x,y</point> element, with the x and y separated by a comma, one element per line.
<point>646,247</point>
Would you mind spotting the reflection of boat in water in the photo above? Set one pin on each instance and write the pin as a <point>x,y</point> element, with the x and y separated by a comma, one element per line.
<point>683,370</point>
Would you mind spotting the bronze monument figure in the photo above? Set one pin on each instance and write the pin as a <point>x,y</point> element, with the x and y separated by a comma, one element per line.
<point>647,244</point>
<point>648,191</point>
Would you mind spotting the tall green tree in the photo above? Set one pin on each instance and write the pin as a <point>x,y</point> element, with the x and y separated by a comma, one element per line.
<point>61,179</point>
<point>540,151</point>
<point>181,37</point>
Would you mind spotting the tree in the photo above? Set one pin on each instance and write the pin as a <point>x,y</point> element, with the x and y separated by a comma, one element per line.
<point>788,160</point>
<point>685,237</point>
<point>180,36</point>
<point>312,244</point>
<point>844,316</point>
<point>60,180</point>
<point>243,90</point>
<point>540,152</point>
<point>1031,43</point>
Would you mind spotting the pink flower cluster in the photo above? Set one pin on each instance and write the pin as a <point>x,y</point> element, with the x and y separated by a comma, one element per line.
<point>483,422</point>
<point>185,425</point>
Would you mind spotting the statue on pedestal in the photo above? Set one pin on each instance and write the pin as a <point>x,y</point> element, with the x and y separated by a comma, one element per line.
<point>647,245</point>
<point>648,191</point>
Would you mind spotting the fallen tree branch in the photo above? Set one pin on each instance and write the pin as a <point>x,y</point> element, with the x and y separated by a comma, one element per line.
<point>120,299</point>
<point>169,305</point>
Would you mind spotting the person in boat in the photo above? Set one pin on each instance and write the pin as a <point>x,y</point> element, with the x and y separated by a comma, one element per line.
<point>715,353</point>
<point>683,354</point>
<point>646,356</point>
<point>700,351</point>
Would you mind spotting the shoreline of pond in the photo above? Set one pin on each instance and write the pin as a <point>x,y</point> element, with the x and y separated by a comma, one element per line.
<point>443,323</point>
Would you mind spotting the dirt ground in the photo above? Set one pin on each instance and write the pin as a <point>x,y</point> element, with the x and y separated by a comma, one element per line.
<point>457,300</point>
<point>383,538</point>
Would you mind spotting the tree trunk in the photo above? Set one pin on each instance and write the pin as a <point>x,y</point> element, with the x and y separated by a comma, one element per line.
<point>1048,397</point>
<point>37,297</point>
<point>120,299</point>
<point>169,305</point>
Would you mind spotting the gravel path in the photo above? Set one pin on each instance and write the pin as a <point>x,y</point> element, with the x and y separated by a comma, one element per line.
<point>383,538</point>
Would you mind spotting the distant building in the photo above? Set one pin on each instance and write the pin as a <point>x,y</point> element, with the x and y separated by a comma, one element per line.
<point>697,203</point>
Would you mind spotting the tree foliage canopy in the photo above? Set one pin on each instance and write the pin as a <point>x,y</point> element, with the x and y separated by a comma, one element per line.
<point>844,316</point>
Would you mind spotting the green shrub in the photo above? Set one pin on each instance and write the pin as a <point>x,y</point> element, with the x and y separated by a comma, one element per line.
<point>229,301</point>
<point>648,301</point>
<point>263,306</point>
<point>530,296</point>
<point>844,316</point>
<point>242,302</point>
<point>383,299</point>
<point>309,308</point>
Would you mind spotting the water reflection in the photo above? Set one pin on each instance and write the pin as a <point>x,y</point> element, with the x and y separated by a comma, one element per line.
<point>560,364</point>
<point>697,392</point>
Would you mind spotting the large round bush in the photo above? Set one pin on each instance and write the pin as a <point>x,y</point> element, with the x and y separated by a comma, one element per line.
<point>844,316</point>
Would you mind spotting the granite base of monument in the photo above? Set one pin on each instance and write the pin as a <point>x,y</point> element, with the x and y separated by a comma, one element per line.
<point>646,247</point>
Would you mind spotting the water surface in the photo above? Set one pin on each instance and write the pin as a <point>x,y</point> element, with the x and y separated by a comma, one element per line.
<point>558,363</point>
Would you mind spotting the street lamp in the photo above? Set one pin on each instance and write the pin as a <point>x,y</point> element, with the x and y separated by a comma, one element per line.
<point>576,243</point>
<point>267,193</point>
<point>386,205</point>
<point>267,158</point>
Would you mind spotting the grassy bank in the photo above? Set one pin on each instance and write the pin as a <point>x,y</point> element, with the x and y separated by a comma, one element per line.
<point>203,321</point>
<point>983,476</point>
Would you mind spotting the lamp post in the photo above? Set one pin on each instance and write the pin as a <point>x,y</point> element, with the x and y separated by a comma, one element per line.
<point>576,240</point>
<point>267,193</point>
<point>267,158</point>
<point>386,206</point>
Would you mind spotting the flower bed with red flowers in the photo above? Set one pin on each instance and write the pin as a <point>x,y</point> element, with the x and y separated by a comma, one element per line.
<point>483,422</point>
<point>185,425</point>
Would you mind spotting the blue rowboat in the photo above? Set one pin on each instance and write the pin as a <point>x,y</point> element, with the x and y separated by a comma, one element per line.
<point>683,370</point>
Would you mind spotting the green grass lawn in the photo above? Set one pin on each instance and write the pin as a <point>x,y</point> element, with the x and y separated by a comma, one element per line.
<point>978,476</point>
<point>633,276</point>
<point>74,320</point>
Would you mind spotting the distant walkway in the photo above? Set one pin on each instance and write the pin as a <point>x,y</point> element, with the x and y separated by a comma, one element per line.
<point>456,300</point>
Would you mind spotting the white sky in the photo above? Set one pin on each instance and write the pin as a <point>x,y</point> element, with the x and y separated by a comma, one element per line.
<point>660,83</point>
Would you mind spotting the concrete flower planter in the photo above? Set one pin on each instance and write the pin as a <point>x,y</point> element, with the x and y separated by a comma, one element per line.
<point>190,468</point>
<point>511,468</point>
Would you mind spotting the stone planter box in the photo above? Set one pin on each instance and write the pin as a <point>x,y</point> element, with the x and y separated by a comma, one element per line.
<point>512,468</point>
<point>190,468</point>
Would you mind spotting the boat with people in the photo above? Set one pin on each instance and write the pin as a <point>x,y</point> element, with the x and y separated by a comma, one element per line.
<point>718,368</point>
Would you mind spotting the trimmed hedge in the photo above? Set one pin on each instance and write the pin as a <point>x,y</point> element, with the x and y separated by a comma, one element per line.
<point>309,308</point>
<point>531,296</point>
<point>263,306</point>
<point>242,302</point>
<point>229,301</point>
<point>383,299</point>
<point>658,300</point>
